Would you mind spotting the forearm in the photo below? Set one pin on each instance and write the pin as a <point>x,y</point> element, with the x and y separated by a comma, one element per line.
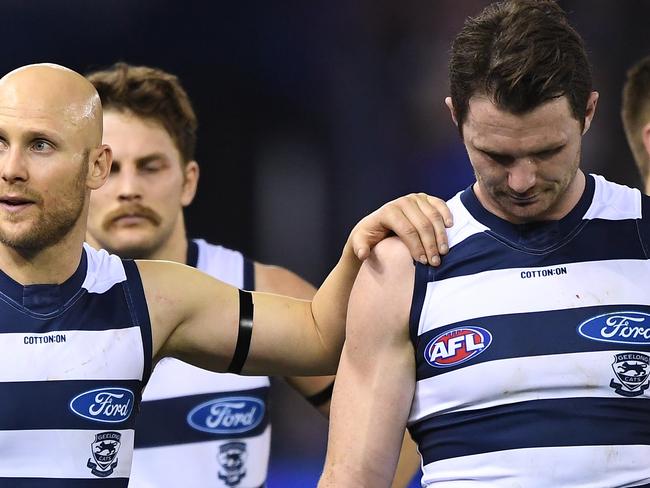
<point>329,305</point>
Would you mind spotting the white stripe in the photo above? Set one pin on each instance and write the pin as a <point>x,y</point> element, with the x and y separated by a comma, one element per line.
<point>56,454</point>
<point>613,201</point>
<point>104,270</point>
<point>504,291</point>
<point>464,224</point>
<point>107,354</point>
<point>550,467</point>
<point>577,375</point>
<point>172,378</point>
<point>201,459</point>
<point>222,263</point>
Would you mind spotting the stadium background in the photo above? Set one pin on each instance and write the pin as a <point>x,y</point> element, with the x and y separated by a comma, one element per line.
<point>311,115</point>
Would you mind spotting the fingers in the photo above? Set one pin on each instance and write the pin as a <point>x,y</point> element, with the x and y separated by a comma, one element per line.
<point>418,219</point>
<point>436,210</point>
<point>415,230</point>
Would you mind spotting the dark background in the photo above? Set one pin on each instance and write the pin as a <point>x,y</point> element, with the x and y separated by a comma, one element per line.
<point>311,115</point>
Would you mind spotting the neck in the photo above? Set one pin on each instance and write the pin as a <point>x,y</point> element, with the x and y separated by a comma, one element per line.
<point>52,265</point>
<point>560,209</point>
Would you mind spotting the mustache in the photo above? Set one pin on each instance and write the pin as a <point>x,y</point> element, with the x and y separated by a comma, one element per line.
<point>130,210</point>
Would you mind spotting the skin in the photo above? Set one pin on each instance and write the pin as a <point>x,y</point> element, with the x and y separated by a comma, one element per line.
<point>58,106</point>
<point>138,213</point>
<point>526,169</point>
<point>646,144</point>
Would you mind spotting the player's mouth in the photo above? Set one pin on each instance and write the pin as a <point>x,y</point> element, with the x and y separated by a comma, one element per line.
<point>15,203</point>
<point>523,200</point>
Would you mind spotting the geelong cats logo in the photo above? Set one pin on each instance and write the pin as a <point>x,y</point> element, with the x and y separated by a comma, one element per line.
<point>232,458</point>
<point>457,346</point>
<point>104,454</point>
<point>632,370</point>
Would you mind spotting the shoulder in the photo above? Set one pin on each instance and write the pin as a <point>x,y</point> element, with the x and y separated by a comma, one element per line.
<point>383,291</point>
<point>389,268</point>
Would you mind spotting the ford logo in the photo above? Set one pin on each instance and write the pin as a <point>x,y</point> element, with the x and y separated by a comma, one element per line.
<point>104,404</point>
<point>230,415</point>
<point>620,327</point>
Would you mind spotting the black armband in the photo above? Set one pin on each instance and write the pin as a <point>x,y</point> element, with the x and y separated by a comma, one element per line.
<point>244,334</point>
<point>322,397</point>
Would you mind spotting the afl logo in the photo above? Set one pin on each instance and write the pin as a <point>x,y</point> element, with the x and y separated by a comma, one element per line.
<point>231,415</point>
<point>457,346</point>
<point>621,327</point>
<point>104,405</point>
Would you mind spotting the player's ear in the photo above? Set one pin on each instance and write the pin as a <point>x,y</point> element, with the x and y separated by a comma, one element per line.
<point>99,166</point>
<point>450,106</point>
<point>591,110</point>
<point>190,182</point>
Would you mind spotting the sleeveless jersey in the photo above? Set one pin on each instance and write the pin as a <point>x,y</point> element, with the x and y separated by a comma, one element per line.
<point>73,360</point>
<point>198,428</point>
<point>533,348</point>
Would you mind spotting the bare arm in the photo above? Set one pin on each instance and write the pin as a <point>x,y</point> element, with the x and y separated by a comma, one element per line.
<point>274,279</point>
<point>376,376</point>
<point>195,318</point>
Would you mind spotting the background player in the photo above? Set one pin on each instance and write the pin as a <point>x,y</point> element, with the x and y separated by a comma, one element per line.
<point>635,113</point>
<point>150,125</point>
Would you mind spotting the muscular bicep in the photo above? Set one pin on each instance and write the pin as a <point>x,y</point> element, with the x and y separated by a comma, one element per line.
<point>376,378</point>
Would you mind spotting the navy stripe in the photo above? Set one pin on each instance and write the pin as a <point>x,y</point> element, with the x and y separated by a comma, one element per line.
<point>531,334</point>
<point>90,311</point>
<point>538,235</point>
<point>46,404</point>
<point>63,482</point>
<point>165,422</point>
<point>249,274</point>
<point>44,300</point>
<point>423,275</point>
<point>593,240</point>
<point>541,423</point>
<point>134,293</point>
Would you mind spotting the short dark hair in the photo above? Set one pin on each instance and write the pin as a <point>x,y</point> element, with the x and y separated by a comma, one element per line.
<point>519,53</point>
<point>636,112</point>
<point>150,93</point>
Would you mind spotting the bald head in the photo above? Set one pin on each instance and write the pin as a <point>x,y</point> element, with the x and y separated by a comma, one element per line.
<point>54,92</point>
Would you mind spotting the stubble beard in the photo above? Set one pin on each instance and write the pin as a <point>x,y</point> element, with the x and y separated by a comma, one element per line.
<point>54,224</point>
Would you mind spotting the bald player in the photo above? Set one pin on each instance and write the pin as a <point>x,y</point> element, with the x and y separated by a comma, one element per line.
<point>80,329</point>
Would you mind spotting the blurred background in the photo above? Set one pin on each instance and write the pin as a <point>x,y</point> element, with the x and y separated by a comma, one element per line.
<point>312,114</point>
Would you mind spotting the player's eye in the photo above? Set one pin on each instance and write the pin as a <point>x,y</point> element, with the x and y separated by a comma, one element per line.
<point>41,145</point>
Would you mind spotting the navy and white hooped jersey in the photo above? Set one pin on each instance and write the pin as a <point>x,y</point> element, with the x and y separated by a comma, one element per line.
<point>73,360</point>
<point>202,429</point>
<point>533,348</point>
